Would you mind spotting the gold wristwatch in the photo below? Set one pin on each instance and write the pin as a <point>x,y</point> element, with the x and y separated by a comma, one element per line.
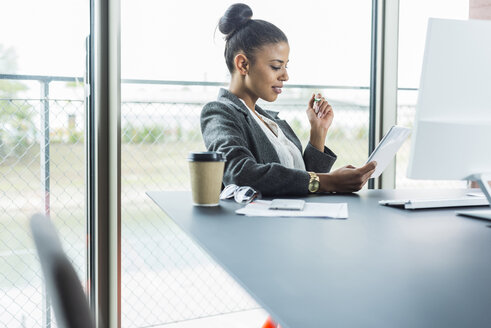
<point>314,182</point>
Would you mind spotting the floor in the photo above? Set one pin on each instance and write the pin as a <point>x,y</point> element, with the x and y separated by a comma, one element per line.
<point>243,319</point>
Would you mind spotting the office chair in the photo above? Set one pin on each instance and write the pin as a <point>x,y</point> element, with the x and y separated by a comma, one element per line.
<point>69,301</point>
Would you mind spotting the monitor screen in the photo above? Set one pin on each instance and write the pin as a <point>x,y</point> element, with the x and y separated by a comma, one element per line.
<point>451,138</point>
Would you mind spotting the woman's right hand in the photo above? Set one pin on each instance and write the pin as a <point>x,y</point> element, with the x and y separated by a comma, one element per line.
<point>346,179</point>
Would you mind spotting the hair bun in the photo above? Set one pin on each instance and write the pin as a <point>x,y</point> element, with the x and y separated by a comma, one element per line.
<point>236,16</point>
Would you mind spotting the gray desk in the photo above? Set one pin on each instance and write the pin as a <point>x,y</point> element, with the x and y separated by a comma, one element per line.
<point>383,267</point>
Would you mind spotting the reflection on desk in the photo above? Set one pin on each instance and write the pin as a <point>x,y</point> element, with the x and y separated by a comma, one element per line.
<point>384,267</point>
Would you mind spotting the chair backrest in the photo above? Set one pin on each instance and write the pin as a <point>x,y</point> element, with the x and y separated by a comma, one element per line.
<point>69,301</point>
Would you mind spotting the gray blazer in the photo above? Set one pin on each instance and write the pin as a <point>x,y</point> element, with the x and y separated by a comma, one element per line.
<point>228,126</point>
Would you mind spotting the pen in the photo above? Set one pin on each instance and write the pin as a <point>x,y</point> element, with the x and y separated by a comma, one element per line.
<point>316,105</point>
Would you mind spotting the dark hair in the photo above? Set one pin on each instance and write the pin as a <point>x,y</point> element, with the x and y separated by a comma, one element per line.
<point>244,34</point>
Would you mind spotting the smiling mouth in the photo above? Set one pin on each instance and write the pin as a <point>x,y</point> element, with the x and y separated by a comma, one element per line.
<point>277,90</point>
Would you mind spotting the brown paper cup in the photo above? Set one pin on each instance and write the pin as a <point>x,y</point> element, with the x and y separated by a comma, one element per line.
<point>206,173</point>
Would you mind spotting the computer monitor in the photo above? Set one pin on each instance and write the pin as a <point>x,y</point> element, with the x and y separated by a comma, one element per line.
<point>451,138</point>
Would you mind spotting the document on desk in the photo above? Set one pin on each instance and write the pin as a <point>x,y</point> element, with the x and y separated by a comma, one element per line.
<point>387,148</point>
<point>317,210</point>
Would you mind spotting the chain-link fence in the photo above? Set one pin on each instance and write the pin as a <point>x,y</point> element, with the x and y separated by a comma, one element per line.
<point>38,176</point>
<point>165,277</point>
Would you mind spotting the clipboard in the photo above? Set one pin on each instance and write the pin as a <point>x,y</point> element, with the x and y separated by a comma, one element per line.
<point>387,148</point>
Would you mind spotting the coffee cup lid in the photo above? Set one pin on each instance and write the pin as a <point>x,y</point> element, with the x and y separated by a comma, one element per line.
<point>206,156</point>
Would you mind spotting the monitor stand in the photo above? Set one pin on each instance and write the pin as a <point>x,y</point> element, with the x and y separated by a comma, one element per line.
<point>482,180</point>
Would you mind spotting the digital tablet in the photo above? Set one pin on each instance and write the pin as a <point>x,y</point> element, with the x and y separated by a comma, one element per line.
<point>387,148</point>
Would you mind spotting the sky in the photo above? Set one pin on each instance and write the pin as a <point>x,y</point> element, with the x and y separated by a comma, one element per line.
<point>176,40</point>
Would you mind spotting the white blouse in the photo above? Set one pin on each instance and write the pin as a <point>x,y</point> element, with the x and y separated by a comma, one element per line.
<point>289,155</point>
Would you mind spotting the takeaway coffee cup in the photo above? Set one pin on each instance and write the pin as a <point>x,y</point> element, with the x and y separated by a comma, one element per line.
<point>206,171</point>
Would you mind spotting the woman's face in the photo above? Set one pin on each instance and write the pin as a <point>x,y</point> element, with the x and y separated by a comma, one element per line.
<point>268,71</point>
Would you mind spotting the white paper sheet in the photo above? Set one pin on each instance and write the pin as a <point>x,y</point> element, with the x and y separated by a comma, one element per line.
<point>387,148</point>
<point>319,210</point>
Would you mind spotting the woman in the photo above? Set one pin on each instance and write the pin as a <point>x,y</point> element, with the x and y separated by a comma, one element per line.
<point>262,150</point>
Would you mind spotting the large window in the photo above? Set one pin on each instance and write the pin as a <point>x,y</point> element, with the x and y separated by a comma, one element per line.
<point>172,64</point>
<point>42,60</point>
<point>412,35</point>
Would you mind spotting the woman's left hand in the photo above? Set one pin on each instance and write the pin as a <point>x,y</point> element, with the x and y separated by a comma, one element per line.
<point>320,115</point>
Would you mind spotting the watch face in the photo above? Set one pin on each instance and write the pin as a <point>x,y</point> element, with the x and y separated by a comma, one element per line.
<point>314,186</point>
